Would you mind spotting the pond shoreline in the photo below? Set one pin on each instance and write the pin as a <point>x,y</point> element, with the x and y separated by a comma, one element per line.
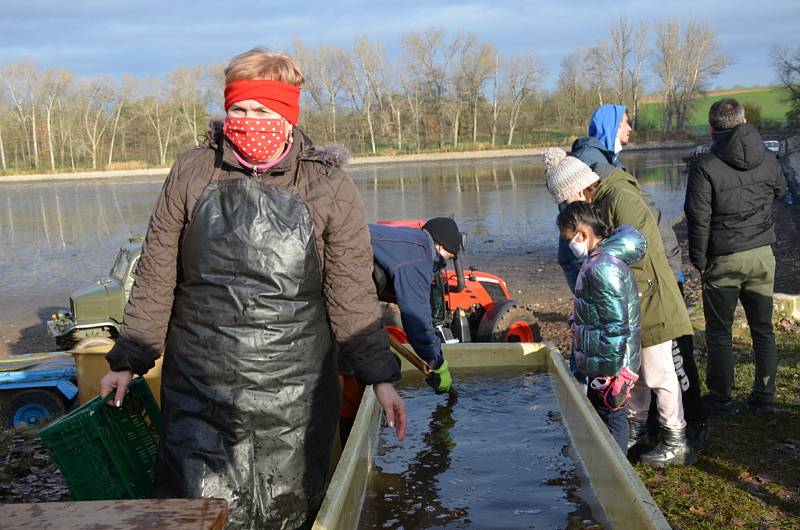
<point>355,161</point>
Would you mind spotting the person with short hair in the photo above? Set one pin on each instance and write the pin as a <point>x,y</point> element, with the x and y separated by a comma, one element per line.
<point>728,208</point>
<point>664,315</point>
<point>255,275</point>
<point>606,330</point>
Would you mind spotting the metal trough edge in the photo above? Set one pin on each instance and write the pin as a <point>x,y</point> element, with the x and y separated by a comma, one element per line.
<point>625,500</point>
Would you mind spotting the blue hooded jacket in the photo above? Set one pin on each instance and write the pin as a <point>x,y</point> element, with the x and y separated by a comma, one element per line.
<point>598,147</point>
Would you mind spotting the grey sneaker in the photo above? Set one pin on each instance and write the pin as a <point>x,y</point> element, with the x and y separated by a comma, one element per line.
<point>674,449</point>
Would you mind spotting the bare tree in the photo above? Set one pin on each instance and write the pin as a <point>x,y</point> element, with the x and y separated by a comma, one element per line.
<point>480,66</point>
<point>595,71</point>
<point>413,91</point>
<point>362,83</point>
<point>3,163</point>
<point>522,75</point>
<point>641,51</point>
<point>186,90</point>
<point>428,57</point>
<point>495,97</point>
<point>122,101</point>
<point>394,99</point>
<point>787,65</point>
<point>66,120</point>
<point>685,64</point>
<point>569,88</point>
<point>324,67</point>
<point>22,82</point>
<point>160,115</point>
<point>54,84</point>
<point>627,52</point>
<point>458,83</point>
<point>97,93</point>
<point>620,49</point>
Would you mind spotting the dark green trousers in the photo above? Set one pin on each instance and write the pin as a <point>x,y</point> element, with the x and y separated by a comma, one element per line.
<point>748,277</point>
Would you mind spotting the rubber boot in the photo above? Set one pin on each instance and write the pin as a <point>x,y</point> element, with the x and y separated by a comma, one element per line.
<point>673,449</point>
<point>638,438</point>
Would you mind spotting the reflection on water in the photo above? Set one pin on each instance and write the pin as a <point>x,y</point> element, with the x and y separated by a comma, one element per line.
<point>494,457</point>
<point>57,236</point>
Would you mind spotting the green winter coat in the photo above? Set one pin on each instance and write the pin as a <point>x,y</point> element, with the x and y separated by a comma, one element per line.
<point>664,314</point>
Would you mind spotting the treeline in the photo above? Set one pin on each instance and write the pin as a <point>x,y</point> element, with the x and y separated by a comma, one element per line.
<point>442,91</point>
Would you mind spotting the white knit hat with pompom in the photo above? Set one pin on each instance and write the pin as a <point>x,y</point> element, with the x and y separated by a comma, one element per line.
<point>565,175</point>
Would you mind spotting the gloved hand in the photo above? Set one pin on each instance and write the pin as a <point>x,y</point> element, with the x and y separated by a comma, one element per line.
<point>440,379</point>
<point>615,390</point>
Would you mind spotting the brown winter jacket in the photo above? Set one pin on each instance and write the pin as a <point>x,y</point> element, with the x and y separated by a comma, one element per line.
<point>342,240</point>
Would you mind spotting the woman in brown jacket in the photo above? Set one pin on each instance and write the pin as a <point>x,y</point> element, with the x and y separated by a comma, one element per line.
<point>255,274</point>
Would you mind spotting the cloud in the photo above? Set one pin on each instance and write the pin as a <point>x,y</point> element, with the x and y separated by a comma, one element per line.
<point>93,37</point>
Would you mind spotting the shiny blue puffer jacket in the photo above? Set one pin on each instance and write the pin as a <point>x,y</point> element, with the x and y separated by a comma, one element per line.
<point>606,330</point>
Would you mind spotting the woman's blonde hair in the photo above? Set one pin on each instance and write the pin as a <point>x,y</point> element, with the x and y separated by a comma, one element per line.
<point>258,63</point>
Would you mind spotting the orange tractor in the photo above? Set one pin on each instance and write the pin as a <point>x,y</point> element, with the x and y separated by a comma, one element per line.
<point>467,306</point>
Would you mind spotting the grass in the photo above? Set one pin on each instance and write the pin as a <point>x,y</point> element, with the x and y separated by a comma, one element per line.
<point>749,477</point>
<point>770,100</point>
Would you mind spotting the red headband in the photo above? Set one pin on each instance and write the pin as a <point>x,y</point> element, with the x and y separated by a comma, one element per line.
<point>275,95</point>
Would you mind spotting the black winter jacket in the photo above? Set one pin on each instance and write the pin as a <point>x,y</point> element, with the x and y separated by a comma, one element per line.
<point>729,196</point>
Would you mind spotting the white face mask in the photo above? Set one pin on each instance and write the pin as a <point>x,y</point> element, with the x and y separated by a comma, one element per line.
<point>579,249</point>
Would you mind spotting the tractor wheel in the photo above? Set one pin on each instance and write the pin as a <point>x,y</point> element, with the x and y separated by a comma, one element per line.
<point>510,323</point>
<point>24,408</point>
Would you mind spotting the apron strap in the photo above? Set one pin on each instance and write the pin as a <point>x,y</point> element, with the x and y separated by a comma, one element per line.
<point>218,152</point>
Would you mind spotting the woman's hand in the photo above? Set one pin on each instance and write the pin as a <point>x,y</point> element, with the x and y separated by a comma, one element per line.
<point>393,407</point>
<point>116,381</point>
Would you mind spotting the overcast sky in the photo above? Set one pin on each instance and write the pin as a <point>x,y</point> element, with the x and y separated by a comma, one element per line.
<point>116,37</point>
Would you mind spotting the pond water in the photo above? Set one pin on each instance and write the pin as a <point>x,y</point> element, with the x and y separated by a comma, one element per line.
<point>58,236</point>
<point>495,456</point>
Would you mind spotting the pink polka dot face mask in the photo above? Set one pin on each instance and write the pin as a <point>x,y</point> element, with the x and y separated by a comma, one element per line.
<point>258,139</point>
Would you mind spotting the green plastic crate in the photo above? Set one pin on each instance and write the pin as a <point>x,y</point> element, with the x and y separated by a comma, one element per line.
<point>105,452</point>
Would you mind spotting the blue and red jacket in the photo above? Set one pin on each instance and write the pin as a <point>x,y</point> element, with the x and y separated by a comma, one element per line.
<point>408,256</point>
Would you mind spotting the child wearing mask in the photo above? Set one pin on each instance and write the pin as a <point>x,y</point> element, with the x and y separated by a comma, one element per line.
<point>606,332</point>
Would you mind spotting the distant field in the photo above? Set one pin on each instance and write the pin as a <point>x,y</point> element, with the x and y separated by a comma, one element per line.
<point>773,107</point>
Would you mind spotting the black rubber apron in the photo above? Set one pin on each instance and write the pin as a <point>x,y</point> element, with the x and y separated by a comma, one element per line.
<point>249,391</point>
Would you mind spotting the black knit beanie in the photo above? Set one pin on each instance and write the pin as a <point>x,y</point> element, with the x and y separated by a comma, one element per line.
<point>444,231</point>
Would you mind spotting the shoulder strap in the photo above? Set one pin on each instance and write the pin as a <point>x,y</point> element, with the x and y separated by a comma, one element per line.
<point>217,162</point>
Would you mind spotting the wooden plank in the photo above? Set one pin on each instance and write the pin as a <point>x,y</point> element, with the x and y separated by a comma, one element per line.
<point>167,514</point>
